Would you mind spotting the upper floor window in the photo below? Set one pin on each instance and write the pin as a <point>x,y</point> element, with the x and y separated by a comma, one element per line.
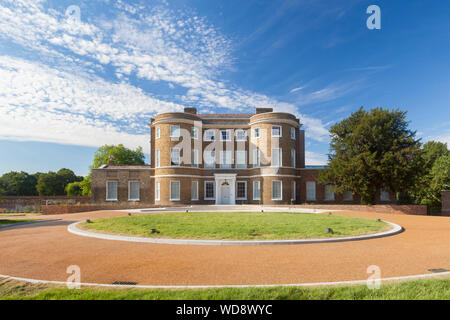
<point>256,133</point>
<point>225,135</point>
<point>210,158</point>
<point>293,158</point>
<point>256,157</point>
<point>225,159</point>
<point>276,131</point>
<point>158,158</point>
<point>241,135</point>
<point>194,158</point>
<point>158,133</point>
<point>210,135</point>
<point>276,158</point>
<point>174,156</point>
<point>241,159</point>
<point>174,131</point>
<point>194,133</point>
<point>293,133</point>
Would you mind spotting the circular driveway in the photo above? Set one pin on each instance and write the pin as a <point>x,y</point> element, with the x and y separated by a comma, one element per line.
<point>45,250</point>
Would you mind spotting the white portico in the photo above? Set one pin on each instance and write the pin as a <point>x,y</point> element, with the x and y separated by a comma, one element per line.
<point>225,188</point>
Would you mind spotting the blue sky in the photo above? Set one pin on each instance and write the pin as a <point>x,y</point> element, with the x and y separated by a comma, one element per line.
<point>68,85</point>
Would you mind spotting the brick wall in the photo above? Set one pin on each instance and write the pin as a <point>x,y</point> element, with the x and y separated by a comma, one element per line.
<point>20,203</point>
<point>381,208</point>
<point>445,196</point>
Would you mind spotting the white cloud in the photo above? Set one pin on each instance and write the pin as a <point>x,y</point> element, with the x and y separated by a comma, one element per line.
<point>315,159</point>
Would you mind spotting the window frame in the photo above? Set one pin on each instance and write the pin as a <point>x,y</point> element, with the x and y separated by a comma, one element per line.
<point>293,133</point>
<point>256,164</point>
<point>158,158</point>
<point>332,198</point>
<point>385,191</point>
<point>194,133</point>
<point>196,190</point>
<point>222,164</point>
<point>194,158</point>
<point>170,190</point>
<point>209,165</point>
<point>157,190</point>
<point>244,132</point>
<point>174,126</point>
<point>236,163</point>
<point>228,131</point>
<point>259,189</point>
<point>254,133</point>
<point>294,190</point>
<point>157,132</point>
<point>107,190</point>
<point>315,190</point>
<point>129,190</point>
<point>281,190</point>
<point>214,190</point>
<point>280,158</point>
<point>245,190</point>
<point>293,158</point>
<point>206,134</point>
<point>281,132</point>
<point>179,157</point>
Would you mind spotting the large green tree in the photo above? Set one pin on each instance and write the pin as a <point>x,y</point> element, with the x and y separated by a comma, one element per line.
<point>18,184</point>
<point>371,150</point>
<point>118,154</point>
<point>55,183</point>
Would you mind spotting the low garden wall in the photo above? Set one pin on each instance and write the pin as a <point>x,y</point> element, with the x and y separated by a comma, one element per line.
<point>64,209</point>
<point>445,196</point>
<point>34,203</point>
<point>381,208</point>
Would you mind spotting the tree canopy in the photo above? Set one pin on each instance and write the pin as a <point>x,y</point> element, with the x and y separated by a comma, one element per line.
<point>18,184</point>
<point>119,154</point>
<point>55,183</point>
<point>371,150</point>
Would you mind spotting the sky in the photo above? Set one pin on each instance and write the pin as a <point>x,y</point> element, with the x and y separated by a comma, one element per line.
<point>75,75</point>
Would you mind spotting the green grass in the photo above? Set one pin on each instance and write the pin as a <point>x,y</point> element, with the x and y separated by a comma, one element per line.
<point>236,225</point>
<point>11,221</point>
<point>417,290</point>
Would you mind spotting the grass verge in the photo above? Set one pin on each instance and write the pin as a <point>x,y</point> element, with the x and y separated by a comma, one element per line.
<point>430,289</point>
<point>12,221</point>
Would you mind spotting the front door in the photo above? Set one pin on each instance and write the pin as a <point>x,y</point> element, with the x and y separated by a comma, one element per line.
<point>225,193</point>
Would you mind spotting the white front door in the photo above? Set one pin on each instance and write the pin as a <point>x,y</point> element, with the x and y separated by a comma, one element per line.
<point>225,194</point>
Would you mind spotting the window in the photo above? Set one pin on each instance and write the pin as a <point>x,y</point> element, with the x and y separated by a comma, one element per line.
<point>256,190</point>
<point>241,190</point>
<point>158,158</point>
<point>293,191</point>
<point>293,158</point>
<point>347,196</point>
<point>157,190</point>
<point>311,191</point>
<point>241,135</point>
<point>174,190</point>
<point>194,158</point>
<point>174,156</point>
<point>276,131</point>
<point>329,192</point>
<point>194,133</point>
<point>225,157</point>
<point>241,159</point>
<point>276,157</point>
<point>277,190</point>
<point>134,190</point>
<point>256,158</point>
<point>225,135</point>
<point>209,190</point>
<point>293,133</point>
<point>210,135</point>
<point>210,159</point>
<point>194,190</point>
<point>158,133</point>
<point>384,195</point>
<point>174,131</point>
<point>111,191</point>
<point>256,133</point>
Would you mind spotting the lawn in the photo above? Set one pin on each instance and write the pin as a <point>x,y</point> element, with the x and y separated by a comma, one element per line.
<point>416,290</point>
<point>236,225</point>
<point>11,221</point>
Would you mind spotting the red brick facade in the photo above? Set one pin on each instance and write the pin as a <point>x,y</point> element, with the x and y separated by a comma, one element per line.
<point>445,196</point>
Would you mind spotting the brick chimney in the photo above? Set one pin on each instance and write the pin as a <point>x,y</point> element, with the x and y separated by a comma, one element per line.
<point>263,110</point>
<point>190,110</point>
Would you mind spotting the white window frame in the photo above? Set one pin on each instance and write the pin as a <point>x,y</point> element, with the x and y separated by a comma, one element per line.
<point>238,131</point>
<point>254,189</point>
<point>194,133</point>
<point>158,158</point>
<point>292,133</point>
<point>329,195</point>
<point>256,156</point>
<point>210,165</point>
<point>294,190</point>
<point>315,190</point>
<point>107,190</point>
<point>228,131</point>
<point>240,165</point>
<point>129,190</point>
<point>293,160</point>
<point>281,190</point>
<point>280,158</point>
<point>224,165</point>
<point>157,190</point>
<point>255,130</point>
<point>179,157</point>
<point>176,130</point>
<point>157,133</point>
<point>179,190</point>
<point>214,190</point>
<point>196,190</point>
<point>194,158</point>
<point>209,133</point>
<point>241,198</point>
<point>281,132</point>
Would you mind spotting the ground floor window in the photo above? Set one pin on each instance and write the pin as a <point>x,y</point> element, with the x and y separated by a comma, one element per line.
<point>293,191</point>
<point>241,190</point>
<point>134,190</point>
<point>277,190</point>
<point>194,190</point>
<point>111,191</point>
<point>174,190</point>
<point>157,190</point>
<point>329,192</point>
<point>209,190</point>
<point>256,190</point>
<point>384,195</point>
<point>310,191</point>
<point>347,196</point>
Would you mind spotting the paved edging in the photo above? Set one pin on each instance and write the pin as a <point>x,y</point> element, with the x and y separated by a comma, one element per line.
<point>75,230</point>
<point>311,284</point>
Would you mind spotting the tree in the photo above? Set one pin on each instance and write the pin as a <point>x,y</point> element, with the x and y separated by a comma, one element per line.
<point>18,184</point>
<point>86,186</point>
<point>440,177</point>
<point>74,189</point>
<point>119,155</point>
<point>55,183</point>
<point>373,150</point>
